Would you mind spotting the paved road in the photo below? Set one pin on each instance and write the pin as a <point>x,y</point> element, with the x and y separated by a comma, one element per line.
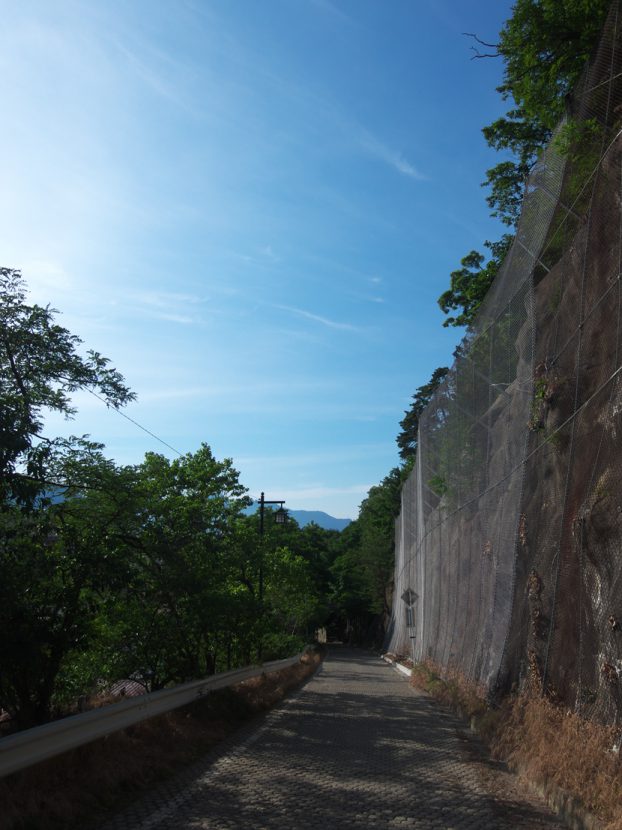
<point>356,747</point>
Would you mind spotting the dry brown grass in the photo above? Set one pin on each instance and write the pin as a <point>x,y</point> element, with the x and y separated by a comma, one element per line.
<point>450,688</point>
<point>79,789</point>
<point>551,745</point>
<point>548,744</point>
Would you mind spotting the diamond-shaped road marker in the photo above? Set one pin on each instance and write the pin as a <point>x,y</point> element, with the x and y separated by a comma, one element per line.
<point>410,597</point>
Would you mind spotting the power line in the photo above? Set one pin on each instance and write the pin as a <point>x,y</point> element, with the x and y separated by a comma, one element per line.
<point>83,486</point>
<point>131,420</point>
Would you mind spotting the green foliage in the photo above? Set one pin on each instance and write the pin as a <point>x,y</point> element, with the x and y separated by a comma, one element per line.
<point>362,570</point>
<point>438,485</point>
<point>153,576</point>
<point>149,572</point>
<point>377,519</point>
<point>407,438</point>
<point>185,514</point>
<point>524,138</point>
<point>470,283</point>
<point>506,181</point>
<point>291,599</point>
<point>39,370</point>
<point>57,565</point>
<point>576,138</point>
<point>545,45</point>
<point>581,143</point>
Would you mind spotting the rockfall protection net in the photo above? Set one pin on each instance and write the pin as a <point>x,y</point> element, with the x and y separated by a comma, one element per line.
<point>509,541</point>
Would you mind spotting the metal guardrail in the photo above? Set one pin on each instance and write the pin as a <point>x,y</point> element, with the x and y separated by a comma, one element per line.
<point>42,742</point>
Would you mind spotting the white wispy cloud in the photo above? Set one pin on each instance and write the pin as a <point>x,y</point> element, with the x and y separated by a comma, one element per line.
<point>317,457</point>
<point>164,75</point>
<point>331,9</point>
<point>174,318</point>
<point>370,298</point>
<point>319,491</point>
<point>316,318</point>
<point>388,155</point>
<point>243,390</point>
<point>269,254</point>
<point>42,275</point>
<point>166,299</point>
<point>173,307</point>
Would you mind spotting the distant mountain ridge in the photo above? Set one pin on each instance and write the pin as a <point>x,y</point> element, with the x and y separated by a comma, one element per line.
<point>305,517</point>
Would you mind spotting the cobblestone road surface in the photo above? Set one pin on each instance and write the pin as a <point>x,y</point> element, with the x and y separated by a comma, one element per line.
<point>356,747</point>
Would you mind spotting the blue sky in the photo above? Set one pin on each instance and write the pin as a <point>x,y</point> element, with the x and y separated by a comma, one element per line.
<point>251,207</point>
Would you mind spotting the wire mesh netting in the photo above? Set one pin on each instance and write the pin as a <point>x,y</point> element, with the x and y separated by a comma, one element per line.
<point>508,545</point>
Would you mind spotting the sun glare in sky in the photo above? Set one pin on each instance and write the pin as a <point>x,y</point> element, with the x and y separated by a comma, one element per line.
<point>251,208</point>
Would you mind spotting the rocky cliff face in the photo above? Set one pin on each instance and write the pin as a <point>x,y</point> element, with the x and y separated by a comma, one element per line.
<point>511,526</point>
<point>569,564</point>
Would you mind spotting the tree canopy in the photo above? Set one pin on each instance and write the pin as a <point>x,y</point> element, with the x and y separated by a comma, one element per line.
<point>147,571</point>
<point>40,368</point>
<point>544,46</point>
<point>362,569</point>
<point>470,283</point>
<point>408,436</point>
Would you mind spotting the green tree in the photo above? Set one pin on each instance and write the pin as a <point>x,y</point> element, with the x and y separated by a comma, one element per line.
<point>470,283</point>
<point>545,45</point>
<point>40,368</point>
<point>409,434</point>
<point>363,568</point>
<point>349,601</point>
<point>290,602</point>
<point>377,518</point>
<point>149,572</point>
<point>306,551</point>
<point>316,545</point>
<point>55,565</point>
<point>175,607</point>
<point>60,562</point>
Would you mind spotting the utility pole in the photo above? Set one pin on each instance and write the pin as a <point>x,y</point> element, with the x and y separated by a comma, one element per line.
<point>280,518</point>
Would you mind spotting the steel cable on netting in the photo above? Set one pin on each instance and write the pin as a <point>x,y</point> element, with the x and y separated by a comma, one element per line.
<point>470,483</point>
<point>558,553</point>
<point>580,338</point>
